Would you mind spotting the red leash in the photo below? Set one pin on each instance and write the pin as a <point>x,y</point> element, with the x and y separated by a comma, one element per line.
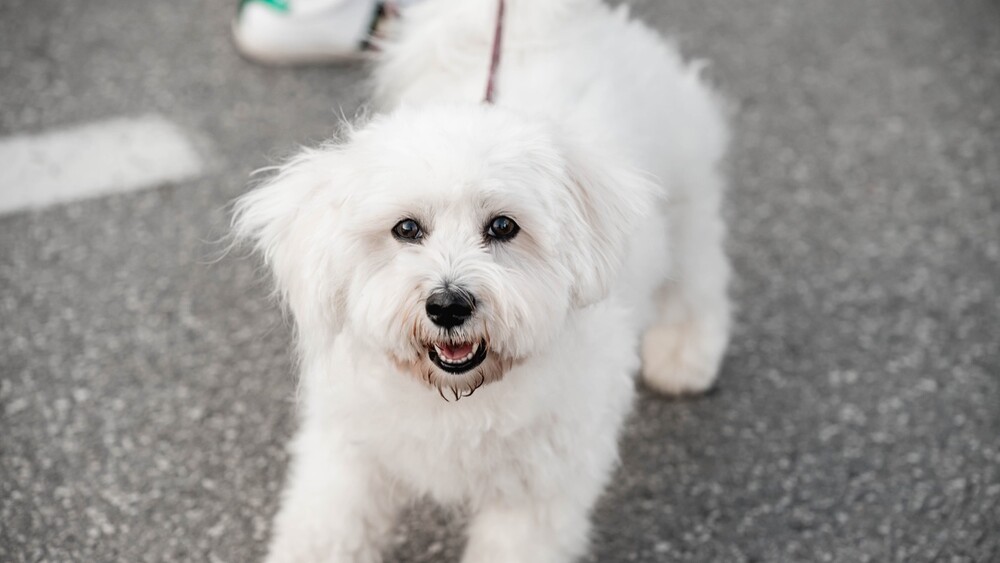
<point>495,57</point>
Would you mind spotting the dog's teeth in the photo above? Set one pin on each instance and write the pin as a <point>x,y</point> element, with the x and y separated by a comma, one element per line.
<point>443,357</point>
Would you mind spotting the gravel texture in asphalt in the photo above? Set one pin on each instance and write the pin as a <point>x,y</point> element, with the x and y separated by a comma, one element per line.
<point>146,386</point>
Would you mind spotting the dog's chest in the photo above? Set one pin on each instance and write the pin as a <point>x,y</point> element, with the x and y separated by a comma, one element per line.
<point>467,455</point>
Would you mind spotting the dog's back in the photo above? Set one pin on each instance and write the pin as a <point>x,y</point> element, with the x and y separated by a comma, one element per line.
<point>609,78</point>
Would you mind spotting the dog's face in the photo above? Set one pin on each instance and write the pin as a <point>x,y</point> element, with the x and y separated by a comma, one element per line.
<point>453,241</point>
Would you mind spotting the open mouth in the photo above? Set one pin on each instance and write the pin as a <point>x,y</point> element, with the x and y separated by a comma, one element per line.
<point>457,357</point>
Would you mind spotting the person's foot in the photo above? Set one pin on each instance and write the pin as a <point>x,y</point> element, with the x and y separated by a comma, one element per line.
<point>285,32</point>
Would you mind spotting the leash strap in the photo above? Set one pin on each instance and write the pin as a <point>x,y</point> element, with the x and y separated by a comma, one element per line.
<point>495,56</point>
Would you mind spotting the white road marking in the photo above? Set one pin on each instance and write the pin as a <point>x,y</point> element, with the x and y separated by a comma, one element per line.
<point>104,157</point>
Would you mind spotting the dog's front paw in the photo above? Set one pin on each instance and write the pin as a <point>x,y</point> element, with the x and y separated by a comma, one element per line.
<point>683,358</point>
<point>301,538</point>
<point>320,554</point>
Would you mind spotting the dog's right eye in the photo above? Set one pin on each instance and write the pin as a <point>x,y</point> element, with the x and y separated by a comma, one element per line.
<point>408,230</point>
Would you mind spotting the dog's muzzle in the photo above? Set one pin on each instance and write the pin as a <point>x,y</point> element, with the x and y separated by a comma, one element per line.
<point>449,308</point>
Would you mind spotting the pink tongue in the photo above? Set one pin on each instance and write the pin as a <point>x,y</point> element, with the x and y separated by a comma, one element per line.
<point>455,352</point>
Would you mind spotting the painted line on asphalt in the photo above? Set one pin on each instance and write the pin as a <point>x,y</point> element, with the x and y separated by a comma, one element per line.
<point>105,157</point>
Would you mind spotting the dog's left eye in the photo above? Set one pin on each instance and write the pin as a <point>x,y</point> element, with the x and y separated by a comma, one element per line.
<point>408,230</point>
<point>502,228</point>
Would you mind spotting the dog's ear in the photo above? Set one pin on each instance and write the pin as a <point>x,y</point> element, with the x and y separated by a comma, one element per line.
<point>291,219</point>
<point>611,199</point>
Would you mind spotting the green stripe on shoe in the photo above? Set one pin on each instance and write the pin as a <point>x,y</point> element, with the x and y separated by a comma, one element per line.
<point>279,5</point>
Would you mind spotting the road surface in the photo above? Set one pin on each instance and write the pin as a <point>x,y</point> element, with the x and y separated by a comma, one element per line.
<point>146,385</point>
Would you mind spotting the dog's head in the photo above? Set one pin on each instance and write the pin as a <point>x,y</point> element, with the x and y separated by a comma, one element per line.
<point>455,241</point>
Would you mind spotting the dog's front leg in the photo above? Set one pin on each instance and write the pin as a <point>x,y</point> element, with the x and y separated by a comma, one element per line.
<point>337,507</point>
<point>551,531</point>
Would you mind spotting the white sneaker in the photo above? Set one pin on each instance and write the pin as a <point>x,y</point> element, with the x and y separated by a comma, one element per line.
<point>286,32</point>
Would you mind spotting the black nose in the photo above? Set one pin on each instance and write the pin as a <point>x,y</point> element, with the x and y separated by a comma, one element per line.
<point>450,307</point>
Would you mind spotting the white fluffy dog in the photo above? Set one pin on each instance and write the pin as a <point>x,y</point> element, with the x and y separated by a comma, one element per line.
<point>473,285</point>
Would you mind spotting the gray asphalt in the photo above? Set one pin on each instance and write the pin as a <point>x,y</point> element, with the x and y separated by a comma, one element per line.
<point>146,389</point>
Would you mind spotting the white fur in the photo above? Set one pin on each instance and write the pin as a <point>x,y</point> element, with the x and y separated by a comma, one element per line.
<point>604,147</point>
